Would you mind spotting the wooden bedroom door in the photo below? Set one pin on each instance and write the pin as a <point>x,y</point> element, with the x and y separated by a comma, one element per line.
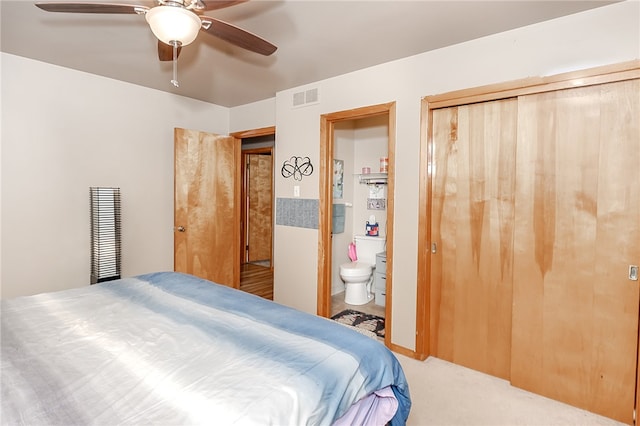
<point>575,310</point>
<point>472,229</point>
<point>207,206</point>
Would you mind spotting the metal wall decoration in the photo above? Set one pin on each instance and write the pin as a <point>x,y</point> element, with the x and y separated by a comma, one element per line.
<point>297,167</point>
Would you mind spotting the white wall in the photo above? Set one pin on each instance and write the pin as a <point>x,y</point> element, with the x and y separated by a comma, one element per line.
<point>64,131</point>
<point>601,36</point>
<point>252,116</point>
<point>371,141</point>
<point>343,149</point>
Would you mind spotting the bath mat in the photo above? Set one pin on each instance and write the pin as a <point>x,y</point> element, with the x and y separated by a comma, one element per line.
<point>358,319</point>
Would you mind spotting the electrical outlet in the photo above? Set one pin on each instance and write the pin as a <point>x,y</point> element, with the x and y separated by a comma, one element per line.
<point>296,190</point>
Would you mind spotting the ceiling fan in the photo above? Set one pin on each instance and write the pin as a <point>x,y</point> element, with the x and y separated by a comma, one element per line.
<point>175,23</point>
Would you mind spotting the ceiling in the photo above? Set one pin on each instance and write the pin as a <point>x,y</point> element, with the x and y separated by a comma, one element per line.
<point>316,40</point>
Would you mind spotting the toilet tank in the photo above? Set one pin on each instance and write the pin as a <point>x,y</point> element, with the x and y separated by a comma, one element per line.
<point>367,247</point>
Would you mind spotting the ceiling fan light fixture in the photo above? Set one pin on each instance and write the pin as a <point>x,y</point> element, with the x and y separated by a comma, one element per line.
<point>172,24</point>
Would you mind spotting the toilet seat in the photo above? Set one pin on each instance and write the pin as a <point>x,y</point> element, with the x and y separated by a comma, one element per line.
<point>355,269</point>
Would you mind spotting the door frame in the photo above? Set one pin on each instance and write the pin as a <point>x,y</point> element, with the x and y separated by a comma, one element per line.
<point>327,127</point>
<point>245,134</point>
<point>593,76</point>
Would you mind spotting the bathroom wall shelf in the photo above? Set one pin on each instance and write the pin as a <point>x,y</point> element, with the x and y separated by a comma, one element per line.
<point>373,178</point>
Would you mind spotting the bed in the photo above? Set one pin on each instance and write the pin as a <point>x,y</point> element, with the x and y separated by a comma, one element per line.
<point>172,349</point>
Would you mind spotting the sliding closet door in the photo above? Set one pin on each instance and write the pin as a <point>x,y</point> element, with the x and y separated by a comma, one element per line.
<point>472,228</point>
<point>575,312</point>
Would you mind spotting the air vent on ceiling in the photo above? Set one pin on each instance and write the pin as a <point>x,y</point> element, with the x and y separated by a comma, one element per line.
<point>307,97</point>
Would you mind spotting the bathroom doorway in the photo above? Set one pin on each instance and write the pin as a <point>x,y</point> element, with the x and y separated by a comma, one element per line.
<point>333,128</point>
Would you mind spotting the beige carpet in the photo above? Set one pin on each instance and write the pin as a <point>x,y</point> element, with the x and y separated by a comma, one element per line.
<point>447,394</point>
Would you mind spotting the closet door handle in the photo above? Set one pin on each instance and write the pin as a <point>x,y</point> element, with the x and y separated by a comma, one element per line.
<point>180,229</point>
<point>434,248</point>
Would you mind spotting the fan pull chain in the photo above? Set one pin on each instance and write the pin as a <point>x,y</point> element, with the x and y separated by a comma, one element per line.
<point>174,81</point>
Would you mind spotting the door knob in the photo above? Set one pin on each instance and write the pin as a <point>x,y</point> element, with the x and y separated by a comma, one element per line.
<point>180,229</point>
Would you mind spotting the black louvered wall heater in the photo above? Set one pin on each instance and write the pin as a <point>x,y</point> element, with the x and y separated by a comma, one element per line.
<point>105,234</point>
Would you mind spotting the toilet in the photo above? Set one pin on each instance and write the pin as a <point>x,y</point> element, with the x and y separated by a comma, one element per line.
<point>358,275</point>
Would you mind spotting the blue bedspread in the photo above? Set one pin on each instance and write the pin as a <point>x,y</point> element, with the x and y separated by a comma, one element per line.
<point>170,348</point>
